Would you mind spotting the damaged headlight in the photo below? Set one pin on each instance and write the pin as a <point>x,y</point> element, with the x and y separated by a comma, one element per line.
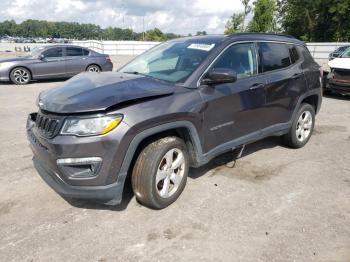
<point>90,126</point>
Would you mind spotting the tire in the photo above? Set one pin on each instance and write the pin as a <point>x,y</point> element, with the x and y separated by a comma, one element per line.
<point>20,76</point>
<point>302,127</point>
<point>93,68</point>
<point>156,183</point>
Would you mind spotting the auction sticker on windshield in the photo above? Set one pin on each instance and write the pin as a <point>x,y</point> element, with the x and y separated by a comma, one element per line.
<point>203,47</point>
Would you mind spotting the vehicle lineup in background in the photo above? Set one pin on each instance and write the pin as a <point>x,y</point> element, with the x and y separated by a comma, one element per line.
<point>176,106</point>
<point>53,62</point>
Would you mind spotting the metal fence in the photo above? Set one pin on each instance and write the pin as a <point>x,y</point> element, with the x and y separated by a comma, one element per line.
<point>117,47</point>
<point>321,51</point>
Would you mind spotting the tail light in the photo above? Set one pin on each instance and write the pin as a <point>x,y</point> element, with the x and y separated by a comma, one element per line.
<point>321,72</point>
<point>108,59</point>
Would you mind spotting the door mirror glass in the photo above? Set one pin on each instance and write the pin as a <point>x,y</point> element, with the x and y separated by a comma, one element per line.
<point>220,76</point>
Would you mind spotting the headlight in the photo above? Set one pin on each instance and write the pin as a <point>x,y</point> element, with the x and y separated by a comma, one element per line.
<point>90,126</point>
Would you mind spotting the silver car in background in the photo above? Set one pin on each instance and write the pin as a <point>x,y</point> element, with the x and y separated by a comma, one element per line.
<point>57,61</point>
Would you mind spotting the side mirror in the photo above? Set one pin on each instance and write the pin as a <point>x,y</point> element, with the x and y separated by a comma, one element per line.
<point>41,57</point>
<point>220,76</point>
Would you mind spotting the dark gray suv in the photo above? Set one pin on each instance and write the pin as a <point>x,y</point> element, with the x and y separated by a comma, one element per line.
<point>178,105</point>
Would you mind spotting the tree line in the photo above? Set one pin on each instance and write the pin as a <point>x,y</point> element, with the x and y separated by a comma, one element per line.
<point>72,30</point>
<point>317,20</point>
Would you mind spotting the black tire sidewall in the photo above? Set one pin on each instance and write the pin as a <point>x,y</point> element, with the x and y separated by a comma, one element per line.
<point>294,140</point>
<point>13,78</point>
<point>160,149</point>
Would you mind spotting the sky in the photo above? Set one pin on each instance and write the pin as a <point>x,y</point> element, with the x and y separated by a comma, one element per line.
<point>171,16</point>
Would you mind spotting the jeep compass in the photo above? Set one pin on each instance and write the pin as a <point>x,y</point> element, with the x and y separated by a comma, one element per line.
<point>176,106</point>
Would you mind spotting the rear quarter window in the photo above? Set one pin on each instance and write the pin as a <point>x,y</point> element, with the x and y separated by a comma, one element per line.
<point>74,51</point>
<point>273,56</point>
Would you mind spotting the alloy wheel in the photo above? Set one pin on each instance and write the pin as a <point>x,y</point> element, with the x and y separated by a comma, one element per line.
<point>170,173</point>
<point>304,126</point>
<point>93,69</point>
<point>21,76</point>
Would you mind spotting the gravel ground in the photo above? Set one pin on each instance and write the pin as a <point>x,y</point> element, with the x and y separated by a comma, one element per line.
<point>277,204</point>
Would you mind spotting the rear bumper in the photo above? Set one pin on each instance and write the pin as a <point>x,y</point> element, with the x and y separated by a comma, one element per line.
<point>107,67</point>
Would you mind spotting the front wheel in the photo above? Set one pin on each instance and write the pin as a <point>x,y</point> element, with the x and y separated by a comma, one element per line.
<point>302,127</point>
<point>160,172</point>
<point>20,76</point>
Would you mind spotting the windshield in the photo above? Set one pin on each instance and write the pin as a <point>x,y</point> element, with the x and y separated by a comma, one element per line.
<point>171,61</point>
<point>346,54</point>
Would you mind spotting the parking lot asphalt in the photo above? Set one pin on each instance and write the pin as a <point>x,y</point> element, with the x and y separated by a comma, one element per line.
<point>276,204</point>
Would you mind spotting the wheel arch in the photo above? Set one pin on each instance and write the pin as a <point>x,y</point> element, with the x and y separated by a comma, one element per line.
<point>182,129</point>
<point>312,100</point>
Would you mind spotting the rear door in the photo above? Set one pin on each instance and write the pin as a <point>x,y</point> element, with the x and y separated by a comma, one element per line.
<point>233,111</point>
<point>76,60</point>
<point>281,64</point>
<point>52,63</point>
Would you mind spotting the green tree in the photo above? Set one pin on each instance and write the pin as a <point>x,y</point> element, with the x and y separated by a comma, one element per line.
<point>155,35</point>
<point>263,19</point>
<point>235,24</point>
<point>318,20</point>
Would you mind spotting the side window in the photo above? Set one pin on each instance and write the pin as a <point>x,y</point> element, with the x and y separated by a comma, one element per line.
<point>308,60</point>
<point>241,58</point>
<point>294,54</point>
<point>86,52</point>
<point>74,51</point>
<point>274,56</point>
<point>53,52</point>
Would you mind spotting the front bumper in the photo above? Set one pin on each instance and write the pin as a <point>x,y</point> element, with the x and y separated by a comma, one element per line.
<point>109,194</point>
<point>340,87</point>
<point>105,186</point>
<point>4,75</point>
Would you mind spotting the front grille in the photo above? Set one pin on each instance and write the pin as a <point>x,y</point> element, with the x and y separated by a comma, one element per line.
<point>342,74</point>
<point>47,125</point>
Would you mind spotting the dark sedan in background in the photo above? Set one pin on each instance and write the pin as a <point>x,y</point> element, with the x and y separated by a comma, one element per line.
<point>58,61</point>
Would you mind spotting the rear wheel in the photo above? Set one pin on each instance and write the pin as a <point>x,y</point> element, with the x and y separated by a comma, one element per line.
<point>20,76</point>
<point>160,172</point>
<point>93,68</point>
<point>302,127</point>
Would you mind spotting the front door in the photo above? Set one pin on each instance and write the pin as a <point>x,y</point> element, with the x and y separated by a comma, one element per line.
<point>51,63</point>
<point>233,111</point>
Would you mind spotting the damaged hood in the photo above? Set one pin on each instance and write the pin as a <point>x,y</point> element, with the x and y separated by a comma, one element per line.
<point>89,92</point>
<point>340,63</point>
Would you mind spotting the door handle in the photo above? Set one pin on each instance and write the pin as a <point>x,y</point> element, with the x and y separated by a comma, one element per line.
<point>256,86</point>
<point>297,75</point>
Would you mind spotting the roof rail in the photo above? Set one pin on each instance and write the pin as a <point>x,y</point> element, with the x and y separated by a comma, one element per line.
<point>254,33</point>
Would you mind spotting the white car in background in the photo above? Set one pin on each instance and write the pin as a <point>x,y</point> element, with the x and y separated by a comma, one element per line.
<point>339,76</point>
